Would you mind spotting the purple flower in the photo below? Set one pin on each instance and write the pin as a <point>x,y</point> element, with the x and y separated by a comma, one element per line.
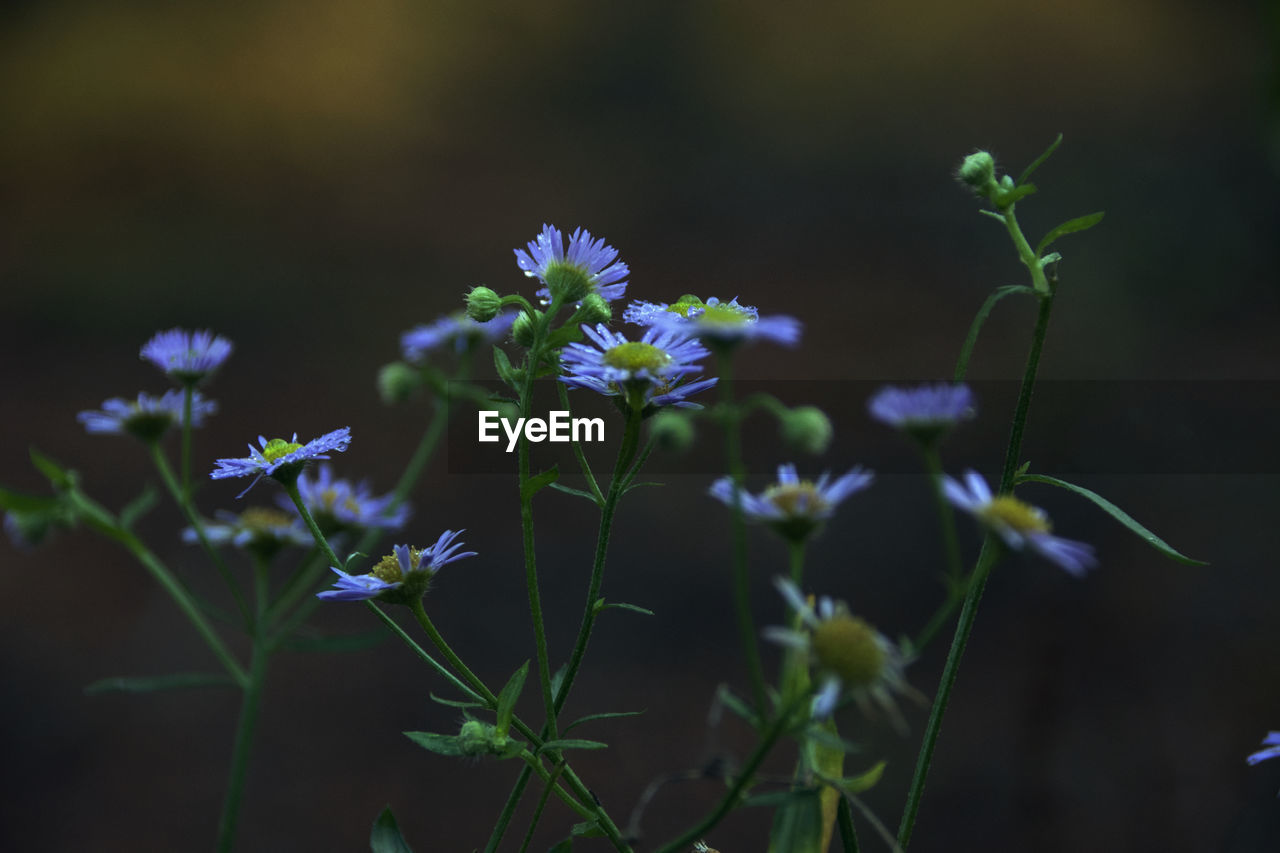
<point>187,356</point>
<point>258,529</point>
<point>458,329</point>
<point>587,266</point>
<point>653,371</point>
<point>926,411</point>
<point>1272,742</point>
<point>1018,524</point>
<point>400,577</point>
<point>337,504</point>
<point>721,323</point>
<point>280,459</point>
<point>794,507</point>
<point>147,417</point>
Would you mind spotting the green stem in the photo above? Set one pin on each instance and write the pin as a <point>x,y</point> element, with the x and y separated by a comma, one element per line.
<point>542,804</point>
<point>182,498</point>
<point>796,551</point>
<point>740,784</point>
<point>1025,253</point>
<point>291,489</point>
<point>977,583</point>
<point>563,391</point>
<point>248,714</point>
<point>440,668</point>
<point>626,453</point>
<point>741,578</point>
<point>420,613</point>
<point>848,836</point>
<point>188,392</point>
<point>950,545</point>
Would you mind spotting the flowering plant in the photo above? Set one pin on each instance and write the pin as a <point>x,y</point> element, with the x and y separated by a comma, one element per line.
<point>670,378</point>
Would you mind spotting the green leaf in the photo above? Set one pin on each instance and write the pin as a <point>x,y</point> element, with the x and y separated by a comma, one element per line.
<point>557,678</point>
<point>571,743</point>
<point>59,477</point>
<point>621,605</point>
<point>829,739</point>
<point>439,744</point>
<point>1118,514</point>
<point>565,846</point>
<point>155,683</point>
<point>1007,198</point>
<point>863,781</point>
<point>343,643</point>
<point>609,715</point>
<point>455,703</point>
<point>736,705</point>
<point>502,364</point>
<point>507,698</point>
<point>586,829</point>
<point>797,824</point>
<point>570,491</point>
<point>1026,173</point>
<point>1071,226</point>
<point>962,363</point>
<point>385,836</point>
<point>638,485</point>
<point>19,502</point>
<point>138,507</point>
<point>536,483</point>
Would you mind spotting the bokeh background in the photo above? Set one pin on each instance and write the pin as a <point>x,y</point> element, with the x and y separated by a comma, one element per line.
<point>310,179</point>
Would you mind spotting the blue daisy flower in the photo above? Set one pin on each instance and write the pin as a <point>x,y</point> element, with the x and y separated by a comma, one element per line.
<point>187,356</point>
<point>1020,525</point>
<point>926,411</point>
<point>456,329</point>
<point>851,656</point>
<point>653,371</point>
<point>337,504</point>
<point>282,460</point>
<point>147,417</point>
<point>401,576</point>
<point>587,266</point>
<point>259,529</point>
<point>720,323</point>
<point>794,507</point>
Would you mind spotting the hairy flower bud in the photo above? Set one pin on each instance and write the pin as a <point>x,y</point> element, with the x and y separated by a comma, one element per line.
<point>483,304</point>
<point>807,428</point>
<point>978,172</point>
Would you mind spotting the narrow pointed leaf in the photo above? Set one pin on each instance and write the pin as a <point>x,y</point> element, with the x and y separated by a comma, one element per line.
<point>797,825</point>
<point>572,743</point>
<point>621,605</point>
<point>962,363</point>
<point>385,836</point>
<point>1007,198</point>
<point>59,477</point>
<point>155,683</point>
<point>1118,514</point>
<point>439,744</point>
<point>19,502</point>
<point>587,829</point>
<point>456,703</point>
<point>502,364</point>
<point>863,781</point>
<point>507,698</point>
<point>605,716</point>
<point>1071,226</point>
<point>138,507</point>
<point>570,491</point>
<point>538,481</point>
<point>1026,173</point>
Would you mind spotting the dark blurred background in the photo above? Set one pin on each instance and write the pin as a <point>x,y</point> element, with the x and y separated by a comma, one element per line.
<point>310,179</point>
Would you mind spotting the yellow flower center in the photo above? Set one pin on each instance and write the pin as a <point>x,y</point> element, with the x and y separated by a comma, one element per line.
<point>388,568</point>
<point>263,520</point>
<point>277,448</point>
<point>1011,512</point>
<point>800,498</point>
<point>848,647</point>
<point>724,314</point>
<point>635,356</point>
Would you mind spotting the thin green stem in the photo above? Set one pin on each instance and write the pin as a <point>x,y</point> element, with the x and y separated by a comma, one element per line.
<point>420,613</point>
<point>188,393</point>
<point>542,804</point>
<point>951,550</point>
<point>977,583</point>
<point>440,668</point>
<point>291,489</point>
<point>796,551</point>
<point>182,498</point>
<point>741,579</point>
<point>1025,253</point>
<point>741,783</point>
<point>563,391</point>
<point>248,714</point>
<point>848,836</point>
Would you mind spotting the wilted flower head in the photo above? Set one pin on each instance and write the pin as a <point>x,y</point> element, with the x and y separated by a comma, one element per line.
<point>794,507</point>
<point>1020,525</point>
<point>336,504</point>
<point>187,356</point>
<point>653,371</point>
<point>852,657</point>
<point>261,530</point>
<point>925,412</point>
<point>587,266</point>
<point>402,576</point>
<point>456,329</point>
<point>279,459</point>
<point>721,323</point>
<point>147,417</point>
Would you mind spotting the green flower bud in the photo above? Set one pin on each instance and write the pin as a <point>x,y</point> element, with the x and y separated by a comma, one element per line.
<point>978,172</point>
<point>594,309</point>
<point>522,330</point>
<point>806,428</point>
<point>483,304</point>
<point>567,281</point>
<point>672,430</point>
<point>397,382</point>
<point>477,738</point>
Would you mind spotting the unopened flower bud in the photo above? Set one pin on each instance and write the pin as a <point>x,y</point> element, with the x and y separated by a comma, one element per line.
<point>672,430</point>
<point>483,304</point>
<point>522,329</point>
<point>594,310</point>
<point>978,172</point>
<point>807,428</point>
<point>396,382</point>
